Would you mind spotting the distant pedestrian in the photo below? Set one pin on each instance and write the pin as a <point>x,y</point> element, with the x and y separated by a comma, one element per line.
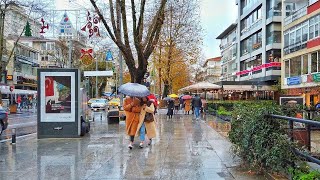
<point>170,108</point>
<point>181,103</point>
<point>197,104</point>
<point>19,102</point>
<point>176,105</point>
<point>187,106</point>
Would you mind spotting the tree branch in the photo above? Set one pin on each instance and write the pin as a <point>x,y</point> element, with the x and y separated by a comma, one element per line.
<point>104,21</point>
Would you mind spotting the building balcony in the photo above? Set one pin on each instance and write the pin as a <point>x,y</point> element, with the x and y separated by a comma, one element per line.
<point>294,47</point>
<point>257,70</point>
<point>273,12</point>
<point>248,30</point>
<point>296,15</point>
<point>248,8</point>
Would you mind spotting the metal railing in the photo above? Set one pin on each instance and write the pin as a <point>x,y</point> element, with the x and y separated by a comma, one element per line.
<point>295,15</point>
<point>308,124</point>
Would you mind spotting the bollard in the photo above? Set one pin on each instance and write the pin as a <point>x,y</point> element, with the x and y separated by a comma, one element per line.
<point>13,137</point>
<point>101,116</point>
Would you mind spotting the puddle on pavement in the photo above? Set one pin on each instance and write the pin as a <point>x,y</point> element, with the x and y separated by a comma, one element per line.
<point>222,127</point>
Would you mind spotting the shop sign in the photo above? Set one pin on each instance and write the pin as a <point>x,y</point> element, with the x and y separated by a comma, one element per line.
<point>9,77</point>
<point>316,77</point>
<point>294,80</point>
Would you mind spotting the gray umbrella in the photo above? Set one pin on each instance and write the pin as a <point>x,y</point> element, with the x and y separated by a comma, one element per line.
<point>168,99</point>
<point>134,89</point>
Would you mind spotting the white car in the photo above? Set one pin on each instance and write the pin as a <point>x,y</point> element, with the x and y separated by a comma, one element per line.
<point>99,104</point>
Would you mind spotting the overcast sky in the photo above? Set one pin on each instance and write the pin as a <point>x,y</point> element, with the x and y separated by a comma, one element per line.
<point>216,16</point>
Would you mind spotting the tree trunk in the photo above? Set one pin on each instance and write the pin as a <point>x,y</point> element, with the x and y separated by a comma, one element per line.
<point>102,87</point>
<point>165,89</point>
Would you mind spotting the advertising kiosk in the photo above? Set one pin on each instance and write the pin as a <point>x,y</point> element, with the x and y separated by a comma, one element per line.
<point>59,103</point>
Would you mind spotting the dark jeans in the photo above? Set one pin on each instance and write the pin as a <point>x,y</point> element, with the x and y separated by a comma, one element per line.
<point>131,138</point>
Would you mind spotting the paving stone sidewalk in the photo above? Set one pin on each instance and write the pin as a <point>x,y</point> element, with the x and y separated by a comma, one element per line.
<point>184,149</point>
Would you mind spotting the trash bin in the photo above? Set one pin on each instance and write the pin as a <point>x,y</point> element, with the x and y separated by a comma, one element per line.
<point>113,117</point>
<point>13,108</point>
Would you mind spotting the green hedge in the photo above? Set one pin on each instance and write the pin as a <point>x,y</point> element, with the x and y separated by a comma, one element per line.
<point>261,143</point>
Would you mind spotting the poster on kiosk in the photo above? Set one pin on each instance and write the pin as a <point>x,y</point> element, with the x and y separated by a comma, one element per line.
<point>58,110</point>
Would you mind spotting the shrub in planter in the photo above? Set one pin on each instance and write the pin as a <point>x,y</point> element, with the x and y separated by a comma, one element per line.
<point>261,143</point>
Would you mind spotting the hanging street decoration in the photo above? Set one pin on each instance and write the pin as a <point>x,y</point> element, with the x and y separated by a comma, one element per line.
<point>43,26</point>
<point>86,56</point>
<point>92,25</point>
<point>27,31</point>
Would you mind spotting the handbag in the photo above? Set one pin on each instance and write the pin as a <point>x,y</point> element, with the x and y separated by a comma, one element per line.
<point>148,117</point>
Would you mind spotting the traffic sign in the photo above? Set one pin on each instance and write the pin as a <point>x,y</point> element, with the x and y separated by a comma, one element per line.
<point>109,56</point>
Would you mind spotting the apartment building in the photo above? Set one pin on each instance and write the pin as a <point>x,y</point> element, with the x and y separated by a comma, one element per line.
<point>259,39</point>
<point>301,49</point>
<point>228,48</point>
<point>212,69</point>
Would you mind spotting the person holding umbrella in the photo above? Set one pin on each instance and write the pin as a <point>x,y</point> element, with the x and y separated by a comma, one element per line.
<point>146,121</point>
<point>132,109</point>
<point>170,108</point>
<point>187,103</point>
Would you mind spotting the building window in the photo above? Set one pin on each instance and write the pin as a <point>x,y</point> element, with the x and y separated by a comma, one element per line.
<point>305,64</point>
<point>314,62</point>
<point>305,33</point>
<point>43,46</point>
<point>295,66</point>
<point>287,68</point>
<point>286,40</point>
<point>298,35</point>
<point>44,58</point>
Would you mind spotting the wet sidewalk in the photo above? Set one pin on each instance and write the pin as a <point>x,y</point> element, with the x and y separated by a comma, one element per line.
<point>184,149</point>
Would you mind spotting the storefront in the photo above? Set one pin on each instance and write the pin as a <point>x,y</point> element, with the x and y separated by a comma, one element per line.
<point>305,85</point>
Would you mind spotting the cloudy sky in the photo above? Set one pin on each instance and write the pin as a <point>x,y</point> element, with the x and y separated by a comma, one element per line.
<point>216,15</point>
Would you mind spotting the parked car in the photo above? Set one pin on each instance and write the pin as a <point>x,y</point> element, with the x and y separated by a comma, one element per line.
<point>3,119</point>
<point>99,104</point>
<point>115,102</point>
<point>90,101</point>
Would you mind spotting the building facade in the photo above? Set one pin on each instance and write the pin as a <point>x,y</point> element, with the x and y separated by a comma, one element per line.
<point>301,49</point>
<point>212,69</point>
<point>259,39</point>
<point>228,49</point>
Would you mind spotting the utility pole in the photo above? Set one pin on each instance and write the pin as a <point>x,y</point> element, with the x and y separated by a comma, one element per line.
<point>70,54</point>
<point>97,77</point>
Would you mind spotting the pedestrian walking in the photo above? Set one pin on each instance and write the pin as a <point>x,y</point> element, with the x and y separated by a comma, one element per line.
<point>181,103</point>
<point>197,104</point>
<point>176,105</point>
<point>170,108</point>
<point>19,102</point>
<point>132,109</point>
<point>187,106</point>
<point>146,122</point>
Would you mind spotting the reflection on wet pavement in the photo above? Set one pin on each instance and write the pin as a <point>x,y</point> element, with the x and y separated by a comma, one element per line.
<point>183,149</point>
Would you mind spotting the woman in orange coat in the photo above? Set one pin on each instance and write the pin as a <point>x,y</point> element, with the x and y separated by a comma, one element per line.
<point>132,109</point>
<point>187,105</point>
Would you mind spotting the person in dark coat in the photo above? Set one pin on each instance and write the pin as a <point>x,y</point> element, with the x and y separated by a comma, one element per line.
<point>197,104</point>
<point>170,108</point>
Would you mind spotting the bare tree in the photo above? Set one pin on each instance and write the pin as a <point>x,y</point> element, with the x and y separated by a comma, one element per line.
<point>137,46</point>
